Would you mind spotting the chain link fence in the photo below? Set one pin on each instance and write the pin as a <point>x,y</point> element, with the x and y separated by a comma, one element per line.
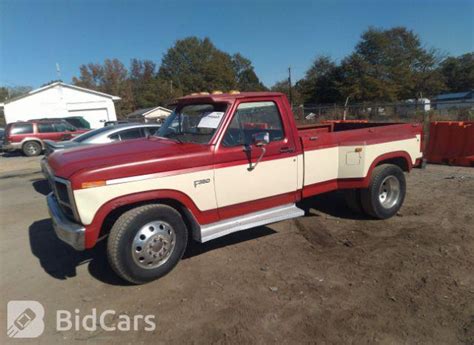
<point>387,112</point>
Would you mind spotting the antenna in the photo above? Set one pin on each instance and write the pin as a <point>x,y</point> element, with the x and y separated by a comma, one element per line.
<point>58,70</point>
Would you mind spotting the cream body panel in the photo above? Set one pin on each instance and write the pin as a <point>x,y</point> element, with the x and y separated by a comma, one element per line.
<point>88,201</point>
<point>237,184</point>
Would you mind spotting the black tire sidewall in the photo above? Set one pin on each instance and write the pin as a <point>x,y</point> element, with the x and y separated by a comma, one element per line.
<point>377,208</point>
<point>127,263</point>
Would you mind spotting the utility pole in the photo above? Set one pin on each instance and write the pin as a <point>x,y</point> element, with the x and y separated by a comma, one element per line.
<point>290,93</point>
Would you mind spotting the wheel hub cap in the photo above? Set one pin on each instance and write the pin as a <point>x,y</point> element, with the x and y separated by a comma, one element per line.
<point>389,192</point>
<point>153,244</point>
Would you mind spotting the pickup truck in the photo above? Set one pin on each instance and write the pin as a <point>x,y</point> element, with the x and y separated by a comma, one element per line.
<point>220,163</point>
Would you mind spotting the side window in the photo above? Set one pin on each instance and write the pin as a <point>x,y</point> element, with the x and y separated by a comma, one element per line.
<point>115,137</point>
<point>60,127</point>
<point>251,118</point>
<point>23,128</point>
<point>45,128</point>
<point>153,130</point>
<point>131,134</point>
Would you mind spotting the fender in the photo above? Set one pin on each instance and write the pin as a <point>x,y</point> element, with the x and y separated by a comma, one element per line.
<point>387,156</point>
<point>24,140</point>
<point>93,229</point>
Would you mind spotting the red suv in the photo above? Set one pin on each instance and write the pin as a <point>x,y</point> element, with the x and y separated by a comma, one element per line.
<point>28,136</point>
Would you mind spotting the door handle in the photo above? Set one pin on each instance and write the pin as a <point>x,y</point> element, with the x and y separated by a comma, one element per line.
<point>286,149</point>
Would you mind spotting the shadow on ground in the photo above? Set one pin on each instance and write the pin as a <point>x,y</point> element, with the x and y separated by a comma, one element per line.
<point>41,186</point>
<point>60,260</point>
<point>333,204</point>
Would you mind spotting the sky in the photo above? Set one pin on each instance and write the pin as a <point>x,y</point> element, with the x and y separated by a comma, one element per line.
<point>35,35</point>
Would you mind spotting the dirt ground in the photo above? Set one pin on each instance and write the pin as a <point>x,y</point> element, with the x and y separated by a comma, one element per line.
<point>330,277</point>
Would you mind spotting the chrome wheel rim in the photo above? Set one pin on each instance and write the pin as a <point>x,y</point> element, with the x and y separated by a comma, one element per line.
<point>153,244</point>
<point>389,192</point>
<point>31,148</point>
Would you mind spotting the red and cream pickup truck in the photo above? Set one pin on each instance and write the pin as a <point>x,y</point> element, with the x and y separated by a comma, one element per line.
<point>220,163</point>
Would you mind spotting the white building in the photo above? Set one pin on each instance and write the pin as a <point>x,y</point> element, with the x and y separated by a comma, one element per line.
<point>150,115</point>
<point>62,100</point>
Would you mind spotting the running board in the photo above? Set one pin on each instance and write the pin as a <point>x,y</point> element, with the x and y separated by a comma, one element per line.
<point>224,227</point>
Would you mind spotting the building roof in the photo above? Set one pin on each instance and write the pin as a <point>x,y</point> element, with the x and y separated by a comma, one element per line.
<point>146,111</point>
<point>59,83</point>
<point>454,95</point>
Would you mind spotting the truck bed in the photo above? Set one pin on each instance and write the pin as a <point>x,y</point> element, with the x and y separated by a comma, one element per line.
<point>338,153</point>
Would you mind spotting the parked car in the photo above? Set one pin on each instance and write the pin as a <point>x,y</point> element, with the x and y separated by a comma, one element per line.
<point>220,164</point>
<point>2,134</point>
<point>29,136</point>
<point>113,123</point>
<point>77,121</point>
<point>103,135</point>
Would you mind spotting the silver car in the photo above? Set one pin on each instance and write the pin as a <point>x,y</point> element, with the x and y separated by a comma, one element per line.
<point>104,135</point>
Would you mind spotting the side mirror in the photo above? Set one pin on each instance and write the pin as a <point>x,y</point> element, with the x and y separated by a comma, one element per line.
<point>261,138</point>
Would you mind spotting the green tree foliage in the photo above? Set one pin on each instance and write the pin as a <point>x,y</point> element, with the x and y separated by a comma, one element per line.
<point>195,65</point>
<point>144,83</point>
<point>389,65</point>
<point>320,84</point>
<point>458,73</point>
<point>244,72</point>
<point>283,87</point>
<point>112,78</point>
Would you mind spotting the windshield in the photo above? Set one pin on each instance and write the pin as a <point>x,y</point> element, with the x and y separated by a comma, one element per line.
<point>90,134</point>
<point>193,123</point>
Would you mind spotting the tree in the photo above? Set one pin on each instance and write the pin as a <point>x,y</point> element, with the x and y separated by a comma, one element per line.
<point>144,83</point>
<point>458,73</point>
<point>111,78</point>
<point>193,65</point>
<point>283,87</point>
<point>320,84</point>
<point>389,65</point>
<point>247,80</point>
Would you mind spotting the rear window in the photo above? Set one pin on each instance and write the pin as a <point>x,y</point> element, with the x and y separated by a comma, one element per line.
<point>22,128</point>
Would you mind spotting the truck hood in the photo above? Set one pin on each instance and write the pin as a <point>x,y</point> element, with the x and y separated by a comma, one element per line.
<point>128,158</point>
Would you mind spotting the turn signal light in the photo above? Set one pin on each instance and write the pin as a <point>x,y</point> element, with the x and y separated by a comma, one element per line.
<point>93,184</point>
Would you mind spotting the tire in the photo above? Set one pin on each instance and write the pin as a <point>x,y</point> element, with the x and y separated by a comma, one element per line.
<point>352,197</point>
<point>144,233</point>
<point>31,148</point>
<point>386,192</point>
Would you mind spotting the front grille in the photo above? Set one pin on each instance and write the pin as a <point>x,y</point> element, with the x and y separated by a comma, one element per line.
<point>62,192</point>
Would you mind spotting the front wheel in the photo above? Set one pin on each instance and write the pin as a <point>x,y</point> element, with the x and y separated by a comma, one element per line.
<point>386,192</point>
<point>146,243</point>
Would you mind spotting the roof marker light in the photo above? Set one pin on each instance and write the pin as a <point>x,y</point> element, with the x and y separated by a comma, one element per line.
<point>217,92</point>
<point>234,92</point>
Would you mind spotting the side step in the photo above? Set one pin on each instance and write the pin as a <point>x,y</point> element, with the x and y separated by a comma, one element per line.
<point>224,227</point>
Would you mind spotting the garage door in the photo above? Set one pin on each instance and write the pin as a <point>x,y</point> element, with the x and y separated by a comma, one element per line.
<point>96,117</point>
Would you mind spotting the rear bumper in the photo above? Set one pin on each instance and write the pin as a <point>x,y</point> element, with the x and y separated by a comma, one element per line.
<point>72,233</point>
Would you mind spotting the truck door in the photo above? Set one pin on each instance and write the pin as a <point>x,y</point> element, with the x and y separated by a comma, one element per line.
<point>255,161</point>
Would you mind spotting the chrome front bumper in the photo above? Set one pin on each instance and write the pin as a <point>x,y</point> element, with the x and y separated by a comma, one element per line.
<point>72,233</point>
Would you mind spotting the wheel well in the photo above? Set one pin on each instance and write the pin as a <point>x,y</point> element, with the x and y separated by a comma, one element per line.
<point>112,217</point>
<point>28,140</point>
<point>401,162</point>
